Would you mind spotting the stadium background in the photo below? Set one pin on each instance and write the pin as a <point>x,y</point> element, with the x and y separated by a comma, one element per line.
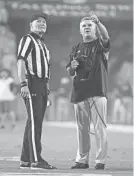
<point>62,34</point>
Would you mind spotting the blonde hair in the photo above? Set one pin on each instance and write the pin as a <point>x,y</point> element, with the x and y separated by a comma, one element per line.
<point>85,18</point>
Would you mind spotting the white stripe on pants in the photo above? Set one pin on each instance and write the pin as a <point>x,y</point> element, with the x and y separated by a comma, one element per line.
<point>91,110</point>
<point>33,129</point>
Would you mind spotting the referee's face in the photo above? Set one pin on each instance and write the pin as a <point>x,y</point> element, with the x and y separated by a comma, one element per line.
<point>88,29</point>
<point>39,25</point>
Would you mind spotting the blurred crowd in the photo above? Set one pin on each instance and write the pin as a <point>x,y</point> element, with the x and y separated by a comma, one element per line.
<point>61,36</point>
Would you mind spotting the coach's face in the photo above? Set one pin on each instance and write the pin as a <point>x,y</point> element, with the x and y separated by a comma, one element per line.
<point>39,25</point>
<point>88,29</point>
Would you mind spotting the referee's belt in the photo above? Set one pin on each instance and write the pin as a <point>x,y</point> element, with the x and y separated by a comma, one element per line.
<point>36,77</point>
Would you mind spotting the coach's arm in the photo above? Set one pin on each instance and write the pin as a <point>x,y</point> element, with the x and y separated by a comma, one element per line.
<point>102,31</point>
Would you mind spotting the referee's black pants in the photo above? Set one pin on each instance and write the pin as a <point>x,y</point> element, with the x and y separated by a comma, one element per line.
<point>36,106</point>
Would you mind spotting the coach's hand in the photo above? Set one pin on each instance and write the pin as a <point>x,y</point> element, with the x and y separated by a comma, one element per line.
<point>25,92</point>
<point>74,64</point>
<point>94,18</point>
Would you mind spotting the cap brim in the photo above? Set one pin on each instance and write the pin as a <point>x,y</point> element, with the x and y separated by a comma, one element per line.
<point>40,15</point>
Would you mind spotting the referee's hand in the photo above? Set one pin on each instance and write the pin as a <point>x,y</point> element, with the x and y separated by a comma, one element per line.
<point>48,89</point>
<point>25,92</point>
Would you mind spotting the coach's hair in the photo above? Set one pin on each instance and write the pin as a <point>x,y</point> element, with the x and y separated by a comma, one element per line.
<point>85,18</point>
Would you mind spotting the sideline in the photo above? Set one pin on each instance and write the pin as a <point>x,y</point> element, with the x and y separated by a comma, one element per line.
<point>110,127</point>
<point>52,174</point>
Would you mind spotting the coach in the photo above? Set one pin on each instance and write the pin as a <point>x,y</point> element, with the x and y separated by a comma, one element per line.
<point>34,74</point>
<point>88,65</point>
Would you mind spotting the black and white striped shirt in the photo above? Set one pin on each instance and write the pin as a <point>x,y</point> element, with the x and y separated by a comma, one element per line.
<point>34,52</point>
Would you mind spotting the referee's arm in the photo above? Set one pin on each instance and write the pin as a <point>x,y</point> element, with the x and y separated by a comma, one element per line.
<point>24,49</point>
<point>21,71</point>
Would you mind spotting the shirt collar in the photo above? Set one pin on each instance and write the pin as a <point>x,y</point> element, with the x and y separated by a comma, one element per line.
<point>36,36</point>
<point>86,43</point>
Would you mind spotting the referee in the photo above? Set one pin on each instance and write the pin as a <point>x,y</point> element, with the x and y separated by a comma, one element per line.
<point>34,73</point>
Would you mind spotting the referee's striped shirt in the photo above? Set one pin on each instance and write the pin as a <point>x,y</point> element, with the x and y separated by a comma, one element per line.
<point>34,52</point>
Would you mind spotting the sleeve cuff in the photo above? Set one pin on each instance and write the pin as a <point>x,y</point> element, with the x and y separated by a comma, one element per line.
<point>105,46</point>
<point>22,58</point>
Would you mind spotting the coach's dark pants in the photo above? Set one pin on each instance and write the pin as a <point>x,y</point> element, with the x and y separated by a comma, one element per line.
<point>36,106</point>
